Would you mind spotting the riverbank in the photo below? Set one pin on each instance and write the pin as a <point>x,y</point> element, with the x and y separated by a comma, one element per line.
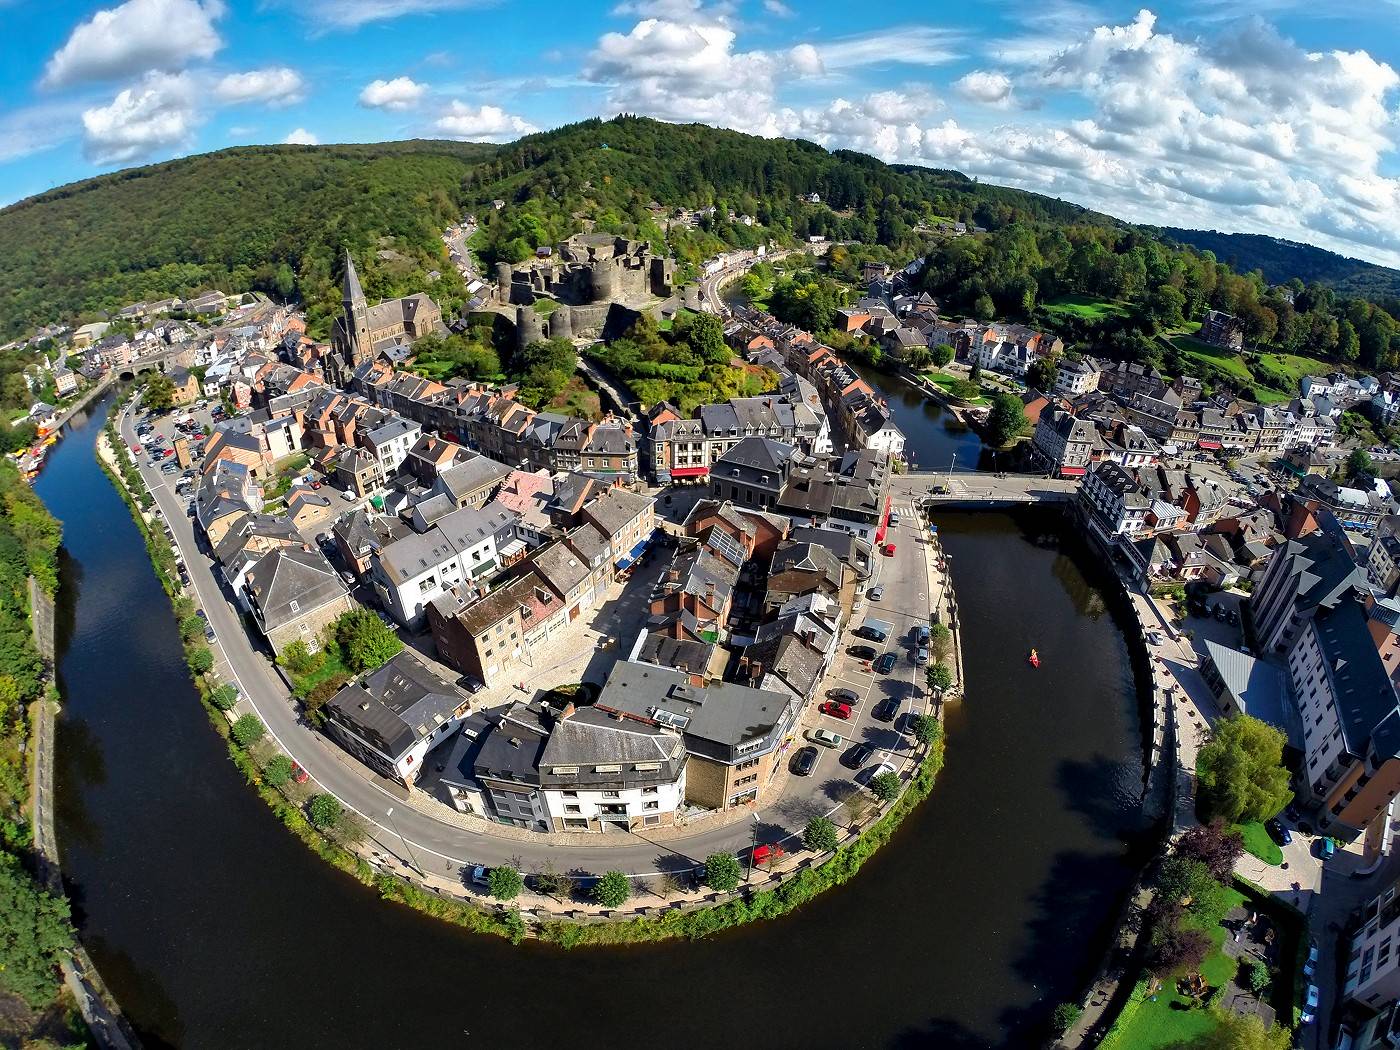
<point>682,908</point>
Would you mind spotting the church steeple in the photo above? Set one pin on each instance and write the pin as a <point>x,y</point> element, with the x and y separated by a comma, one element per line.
<point>355,322</point>
<point>353,292</point>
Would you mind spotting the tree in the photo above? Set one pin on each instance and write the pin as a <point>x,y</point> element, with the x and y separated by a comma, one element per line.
<point>975,372</point>
<point>1176,949</point>
<point>940,641</point>
<point>34,934</point>
<point>1214,845</point>
<point>819,835</point>
<point>200,660</point>
<point>1042,374</point>
<point>919,358</point>
<point>612,890</point>
<point>885,786</point>
<point>247,730</point>
<point>325,811</point>
<point>1360,463</point>
<point>722,872</point>
<point>963,390</point>
<point>159,395</point>
<point>939,676</point>
<point>555,883</point>
<point>1007,419</point>
<point>298,658</point>
<point>1232,1031</point>
<point>1240,773</point>
<point>505,883</point>
<point>927,729</point>
<point>224,696</point>
<point>191,627</point>
<point>1187,883</point>
<point>278,770</point>
<point>941,355</point>
<point>1064,1017</point>
<point>365,640</point>
<point>1256,976</point>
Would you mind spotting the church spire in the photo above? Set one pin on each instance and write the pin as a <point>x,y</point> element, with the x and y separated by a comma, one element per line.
<point>353,292</point>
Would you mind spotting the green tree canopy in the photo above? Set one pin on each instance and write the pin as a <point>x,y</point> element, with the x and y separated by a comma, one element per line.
<point>612,890</point>
<point>939,676</point>
<point>278,770</point>
<point>1007,419</point>
<point>1240,772</point>
<point>325,811</point>
<point>160,393</point>
<point>365,640</point>
<point>819,835</point>
<point>505,883</point>
<point>886,786</point>
<point>34,933</point>
<point>247,730</point>
<point>722,872</point>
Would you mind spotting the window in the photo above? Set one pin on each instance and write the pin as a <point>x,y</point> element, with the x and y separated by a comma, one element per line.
<point>607,769</point>
<point>564,771</point>
<point>611,794</point>
<point>651,805</point>
<point>651,821</point>
<point>746,780</point>
<point>572,809</point>
<point>648,790</point>
<point>647,767</point>
<point>569,794</point>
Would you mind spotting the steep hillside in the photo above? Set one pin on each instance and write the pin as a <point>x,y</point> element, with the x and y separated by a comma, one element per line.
<point>1280,260</point>
<point>272,218</point>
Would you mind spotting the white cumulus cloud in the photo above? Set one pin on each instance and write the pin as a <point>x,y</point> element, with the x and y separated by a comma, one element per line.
<point>990,89</point>
<point>276,86</point>
<point>156,114</point>
<point>398,94</point>
<point>482,123</point>
<point>300,137</point>
<point>135,37</point>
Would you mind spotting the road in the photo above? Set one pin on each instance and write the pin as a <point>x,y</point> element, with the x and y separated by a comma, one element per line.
<point>735,263</point>
<point>444,847</point>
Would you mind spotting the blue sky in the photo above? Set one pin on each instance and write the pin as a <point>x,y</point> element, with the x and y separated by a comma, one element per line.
<point>1279,117</point>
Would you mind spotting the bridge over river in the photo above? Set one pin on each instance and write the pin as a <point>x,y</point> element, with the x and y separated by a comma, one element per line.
<point>984,490</point>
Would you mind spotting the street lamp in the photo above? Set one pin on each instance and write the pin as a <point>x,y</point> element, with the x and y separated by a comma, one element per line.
<point>753,845</point>
<point>389,814</point>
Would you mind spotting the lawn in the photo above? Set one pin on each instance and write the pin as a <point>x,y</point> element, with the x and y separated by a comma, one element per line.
<point>1085,306</point>
<point>1292,368</point>
<point>1226,361</point>
<point>329,666</point>
<point>1148,1022</point>
<point>944,380</point>
<point>1257,843</point>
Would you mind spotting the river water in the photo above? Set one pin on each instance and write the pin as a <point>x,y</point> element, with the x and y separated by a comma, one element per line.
<point>215,928</point>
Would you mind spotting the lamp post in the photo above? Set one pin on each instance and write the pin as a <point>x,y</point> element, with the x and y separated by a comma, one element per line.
<point>753,845</point>
<point>389,813</point>
<point>950,472</point>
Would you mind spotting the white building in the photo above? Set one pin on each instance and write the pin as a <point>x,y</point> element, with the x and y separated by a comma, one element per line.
<point>391,442</point>
<point>1373,976</point>
<point>1073,378</point>
<point>1117,507</point>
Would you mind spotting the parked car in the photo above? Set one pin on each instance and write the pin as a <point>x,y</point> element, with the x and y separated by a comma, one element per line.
<point>921,655</point>
<point>481,875</point>
<point>1310,1001</point>
<point>208,632</point>
<point>885,664</point>
<point>886,710</point>
<point>1278,832</point>
<point>348,496</point>
<point>857,756</point>
<point>804,761</point>
<point>876,593</point>
<point>824,738</point>
<point>298,774</point>
<point>919,633</point>
<point>866,776</point>
<point>1310,963</point>
<point>862,652</point>
<point>836,710</point>
<point>888,550</point>
<point>843,696</point>
<point>1326,849</point>
<point>894,517</point>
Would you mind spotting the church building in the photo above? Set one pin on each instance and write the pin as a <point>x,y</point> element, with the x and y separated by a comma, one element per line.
<point>363,330</point>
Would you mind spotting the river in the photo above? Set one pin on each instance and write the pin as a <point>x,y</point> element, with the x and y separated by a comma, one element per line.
<point>215,928</point>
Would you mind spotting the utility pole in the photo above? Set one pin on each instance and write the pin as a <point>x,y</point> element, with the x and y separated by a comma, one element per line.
<point>407,848</point>
<point>753,845</point>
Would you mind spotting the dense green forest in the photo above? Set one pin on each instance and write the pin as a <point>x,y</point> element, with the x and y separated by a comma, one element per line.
<point>273,218</point>
<point>1279,260</point>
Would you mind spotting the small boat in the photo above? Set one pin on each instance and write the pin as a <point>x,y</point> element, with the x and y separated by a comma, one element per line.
<point>1034,658</point>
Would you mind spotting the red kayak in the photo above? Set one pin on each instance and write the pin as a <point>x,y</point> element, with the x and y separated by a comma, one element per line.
<point>1034,658</point>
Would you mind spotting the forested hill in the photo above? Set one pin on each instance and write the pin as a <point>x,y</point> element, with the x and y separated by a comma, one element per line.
<point>272,218</point>
<point>276,218</point>
<point>1281,260</point>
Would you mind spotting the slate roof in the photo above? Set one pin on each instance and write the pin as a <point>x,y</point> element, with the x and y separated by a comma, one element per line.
<point>616,509</point>
<point>1366,701</point>
<point>589,738</point>
<point>290,582</point>
<point>398,705</point>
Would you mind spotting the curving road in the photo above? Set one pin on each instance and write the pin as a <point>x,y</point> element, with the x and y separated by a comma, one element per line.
<point>443,847</point>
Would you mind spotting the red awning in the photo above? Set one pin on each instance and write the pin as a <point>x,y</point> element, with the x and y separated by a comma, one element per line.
<point>1073,472</point>
<point>689,472</point>
<point>1207,443</point>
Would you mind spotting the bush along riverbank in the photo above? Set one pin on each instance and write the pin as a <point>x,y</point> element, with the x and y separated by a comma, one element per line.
<point>338,837</point>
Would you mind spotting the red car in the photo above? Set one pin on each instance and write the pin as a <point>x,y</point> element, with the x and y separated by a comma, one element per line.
<point>298,774</point>
<point>199,436</point>
<point>836,710</point>
<point>887,550</point>
<point>767,854</point>
<point>168,453</point>
<point>136,448</point>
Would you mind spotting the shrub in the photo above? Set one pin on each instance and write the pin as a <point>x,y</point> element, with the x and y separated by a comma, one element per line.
<point>191,627</point>
<point>201,660</point>
<point>722,872</point>
<point>939,676</point>
<point>819,835</point>
<point>224,696</point>
<point>1064,1017</point>
<point>612,890</point>
<point>324,811</point>
<point>247,730</point>
<point>885,786</point>
<point>278,770</point>
<point>505,883</point>
<point>1256,976</point>
<point>298,659</point>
